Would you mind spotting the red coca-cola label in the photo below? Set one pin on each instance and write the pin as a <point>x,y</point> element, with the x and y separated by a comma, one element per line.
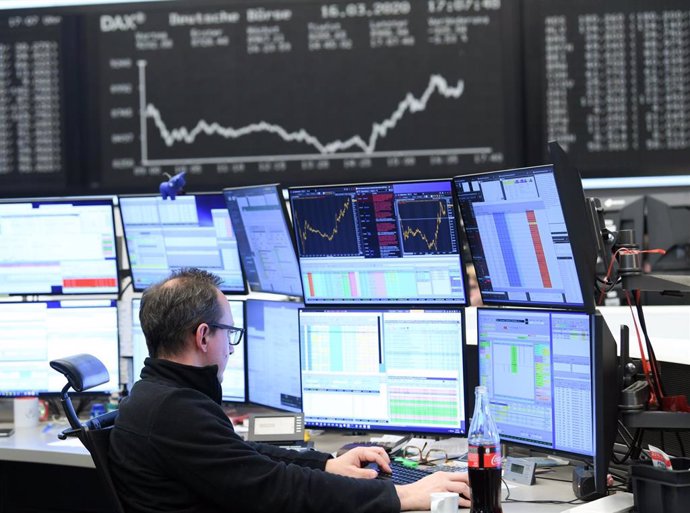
<point>484,456</point>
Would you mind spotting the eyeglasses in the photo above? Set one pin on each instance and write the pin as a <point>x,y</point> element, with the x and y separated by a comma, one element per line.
<point>430,457</point>
<point>234,334</point>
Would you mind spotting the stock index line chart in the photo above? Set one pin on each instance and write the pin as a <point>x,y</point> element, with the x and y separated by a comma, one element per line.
<point>326,226</point>
<point>300,92</point>
<point>355,145</point>
<point>425,227</point>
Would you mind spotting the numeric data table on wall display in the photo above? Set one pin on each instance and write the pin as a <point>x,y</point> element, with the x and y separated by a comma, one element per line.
<point>31,100</point>
<point>613,83</point>
<point>305,92</point>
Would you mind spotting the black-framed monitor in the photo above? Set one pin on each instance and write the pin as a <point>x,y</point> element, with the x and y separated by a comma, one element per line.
<point>273,362</point>
<point>530,235</point>
<point>193,230</point>
<point>668,228</point>
<point>58,246</point>
<point>33,334</point>
<point>551,378</point>
<point>233,385</point>
<point>264,239</point>
<point>379,242</point>
<point>394,369</point>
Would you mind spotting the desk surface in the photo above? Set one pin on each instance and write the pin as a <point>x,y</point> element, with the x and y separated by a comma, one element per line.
<point>41,445</point>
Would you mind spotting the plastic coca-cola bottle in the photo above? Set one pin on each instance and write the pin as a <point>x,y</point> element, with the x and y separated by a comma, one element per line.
<point>484,457</point>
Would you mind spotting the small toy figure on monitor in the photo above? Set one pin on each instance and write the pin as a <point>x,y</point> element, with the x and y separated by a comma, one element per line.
<point>173,185</point>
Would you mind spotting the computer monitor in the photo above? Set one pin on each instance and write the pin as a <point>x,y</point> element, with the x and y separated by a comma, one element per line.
<point>264,239</point>
<point>193,230</point>
<point>668,228</point>
<point>373,243</point>
<point>530,236</point>
<point>33,334</point>
<point>551,378</point>
<point>234,377</point>
<point>273,363</point>
<point>58,246</point>
<point>397,369</point>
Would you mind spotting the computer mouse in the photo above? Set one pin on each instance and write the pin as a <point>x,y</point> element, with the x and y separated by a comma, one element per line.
<point>380,473</point>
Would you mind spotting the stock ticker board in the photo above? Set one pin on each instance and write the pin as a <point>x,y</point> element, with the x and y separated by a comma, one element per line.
<point>610,82</point>
<point>306,92</point>
<point>32,109</point>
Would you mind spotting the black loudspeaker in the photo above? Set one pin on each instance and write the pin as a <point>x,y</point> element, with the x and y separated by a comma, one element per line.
<point>584,486</point>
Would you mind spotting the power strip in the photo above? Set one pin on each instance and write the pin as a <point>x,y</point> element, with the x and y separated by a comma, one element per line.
<point>619,502</point>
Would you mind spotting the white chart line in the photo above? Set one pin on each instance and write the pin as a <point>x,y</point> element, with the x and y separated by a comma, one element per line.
<point>333,150</point>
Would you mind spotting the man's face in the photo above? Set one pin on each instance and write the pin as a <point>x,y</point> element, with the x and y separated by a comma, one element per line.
<point>219,346</point>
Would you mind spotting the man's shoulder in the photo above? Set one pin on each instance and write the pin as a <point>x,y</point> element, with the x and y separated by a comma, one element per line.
<point>149,391</point>
<point>150,406</point>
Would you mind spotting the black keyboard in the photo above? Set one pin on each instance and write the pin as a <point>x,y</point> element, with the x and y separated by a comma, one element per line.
<point>404,475</point>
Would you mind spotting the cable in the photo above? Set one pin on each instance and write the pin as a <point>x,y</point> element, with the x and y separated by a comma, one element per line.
<point>634,444</point>
<point>650,350</point>
<point>554,479</point>
<point>646,367</point>
<point>546,501</point>
<point>124,289</point>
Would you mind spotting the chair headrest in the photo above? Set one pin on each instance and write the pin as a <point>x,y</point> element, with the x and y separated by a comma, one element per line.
<point>83,371</point>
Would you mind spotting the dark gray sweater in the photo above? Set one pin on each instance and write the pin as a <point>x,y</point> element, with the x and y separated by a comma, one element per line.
<point>173,449</point>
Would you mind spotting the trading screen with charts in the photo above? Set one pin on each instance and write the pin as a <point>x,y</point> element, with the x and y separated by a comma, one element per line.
<point>384,369</point>
<point>55,329</point>
<point>273,366</point>
<point>264,239</point>
<point>537,367</point>
<point>53,246</point>
<point>518,238</point>
<point>369,243</point>
<point>195,229</point>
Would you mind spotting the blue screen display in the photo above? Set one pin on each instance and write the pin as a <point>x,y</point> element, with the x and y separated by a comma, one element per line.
<point>189,231</point>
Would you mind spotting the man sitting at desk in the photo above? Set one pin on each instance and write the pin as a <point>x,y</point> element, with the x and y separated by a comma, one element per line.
<point>174,449</point>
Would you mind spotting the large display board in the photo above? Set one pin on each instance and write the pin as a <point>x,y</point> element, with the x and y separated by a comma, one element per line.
<point>304,92</point>
<point>608,80</point>
<point>33,101</point>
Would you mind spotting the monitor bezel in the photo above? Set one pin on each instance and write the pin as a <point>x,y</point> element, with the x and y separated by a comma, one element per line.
<point>105,199</point>
<point>243,305</point>
<point>137,288</point>
<point>297,305</point>
<point>290,231</point>
<point>402,429</point>
<point>580,233</point>
<point>386,301</point>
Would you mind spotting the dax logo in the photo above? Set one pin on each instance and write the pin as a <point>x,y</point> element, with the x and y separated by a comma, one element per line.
<point>122,22</point>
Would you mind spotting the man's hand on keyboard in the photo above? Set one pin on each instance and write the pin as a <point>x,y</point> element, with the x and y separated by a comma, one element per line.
<point>418,495</point>
<point>350,464</point>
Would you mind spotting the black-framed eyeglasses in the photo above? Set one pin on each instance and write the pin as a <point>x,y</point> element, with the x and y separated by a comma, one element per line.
<point>234,334</point>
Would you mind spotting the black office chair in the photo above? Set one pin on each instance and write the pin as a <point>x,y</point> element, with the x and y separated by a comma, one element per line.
<point>83,372</point>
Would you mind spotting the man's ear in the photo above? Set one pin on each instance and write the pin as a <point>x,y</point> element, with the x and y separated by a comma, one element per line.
<point>201,337</point>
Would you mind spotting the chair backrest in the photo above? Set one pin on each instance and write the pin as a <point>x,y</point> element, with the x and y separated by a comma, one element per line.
<point>97,442</point>
<point>84,371</point>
